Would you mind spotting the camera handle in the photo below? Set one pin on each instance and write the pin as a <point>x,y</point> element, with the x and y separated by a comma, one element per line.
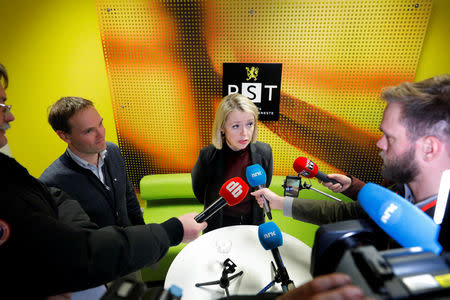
<point>309,187</point>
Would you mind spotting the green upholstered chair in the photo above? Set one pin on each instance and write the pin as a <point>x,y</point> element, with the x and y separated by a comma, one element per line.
<point>171,195</point>
<point>166,196</point>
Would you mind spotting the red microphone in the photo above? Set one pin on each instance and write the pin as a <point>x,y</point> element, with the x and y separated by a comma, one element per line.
<point>307,168</point>
<point>232,192</point>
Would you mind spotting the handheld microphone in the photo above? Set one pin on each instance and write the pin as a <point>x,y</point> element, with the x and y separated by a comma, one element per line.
<point>232,192</point>
<point>307,168</point>
<point>270,237</point>
<point>399,218</point>
<point>256,177</point>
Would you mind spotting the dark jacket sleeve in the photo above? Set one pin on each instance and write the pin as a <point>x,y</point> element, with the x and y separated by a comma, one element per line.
<point>320,212</point>
<point>268,165</point>
<point>78,259</point>
<point>354,188</point>
<point>199,177</point>
<point>69,210</point>
<point>59,256</point>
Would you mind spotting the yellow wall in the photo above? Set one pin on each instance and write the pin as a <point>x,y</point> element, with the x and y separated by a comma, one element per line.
<point>435,58</point>
<point>52,48</point>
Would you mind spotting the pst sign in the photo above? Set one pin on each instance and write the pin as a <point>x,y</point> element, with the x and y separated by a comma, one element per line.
<point>261,83</point>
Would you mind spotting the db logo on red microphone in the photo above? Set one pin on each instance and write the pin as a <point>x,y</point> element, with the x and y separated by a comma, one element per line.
<point>234,188</point>
<point>310,165</point>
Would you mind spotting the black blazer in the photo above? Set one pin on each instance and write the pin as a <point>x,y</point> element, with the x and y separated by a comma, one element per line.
<point>208,177</point>
<point>118,206</point>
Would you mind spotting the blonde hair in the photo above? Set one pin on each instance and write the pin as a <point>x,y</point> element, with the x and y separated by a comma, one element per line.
<point>232,102</point>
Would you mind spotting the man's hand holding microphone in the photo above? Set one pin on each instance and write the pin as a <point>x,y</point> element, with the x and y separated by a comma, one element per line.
<point>191,227</point>
<point>337,183</point>
<point>343,184</point>
<point>275,201</point>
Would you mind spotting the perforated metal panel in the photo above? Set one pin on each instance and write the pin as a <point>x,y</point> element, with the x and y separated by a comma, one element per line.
<point>164,62</point>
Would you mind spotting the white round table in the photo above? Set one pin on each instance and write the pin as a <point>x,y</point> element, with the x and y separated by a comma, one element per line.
<point>200,261</point>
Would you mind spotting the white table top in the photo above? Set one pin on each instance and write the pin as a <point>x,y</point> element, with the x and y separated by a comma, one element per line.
<point>200,261</point>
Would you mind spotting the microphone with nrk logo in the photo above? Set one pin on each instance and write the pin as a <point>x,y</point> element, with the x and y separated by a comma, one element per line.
<point>232,192</point>
<point>307,168</point>
<point>399,218</point>
<point>256,177</point>
<point>271,238</point>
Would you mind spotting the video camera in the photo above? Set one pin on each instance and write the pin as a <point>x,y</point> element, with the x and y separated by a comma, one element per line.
<point>403,273</point>
<point>356,248</point>
<point>359,249</point>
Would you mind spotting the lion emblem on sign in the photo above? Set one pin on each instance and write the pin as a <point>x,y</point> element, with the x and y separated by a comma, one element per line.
<point>252,73</point>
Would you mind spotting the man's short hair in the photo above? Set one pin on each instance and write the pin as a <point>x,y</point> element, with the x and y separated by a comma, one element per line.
<point>3,76</point>
<point>228,104</point>
<point>425,106</point>
<point>63,109</point>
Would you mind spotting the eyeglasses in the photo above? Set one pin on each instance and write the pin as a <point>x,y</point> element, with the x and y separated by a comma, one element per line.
<point>6,108</point>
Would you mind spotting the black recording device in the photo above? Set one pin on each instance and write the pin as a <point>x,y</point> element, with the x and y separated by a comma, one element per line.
<point>332,240</point>
<point>403,273</point>
<point>135,290</point>
<point>358,248</point>
<point>292,186</point>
